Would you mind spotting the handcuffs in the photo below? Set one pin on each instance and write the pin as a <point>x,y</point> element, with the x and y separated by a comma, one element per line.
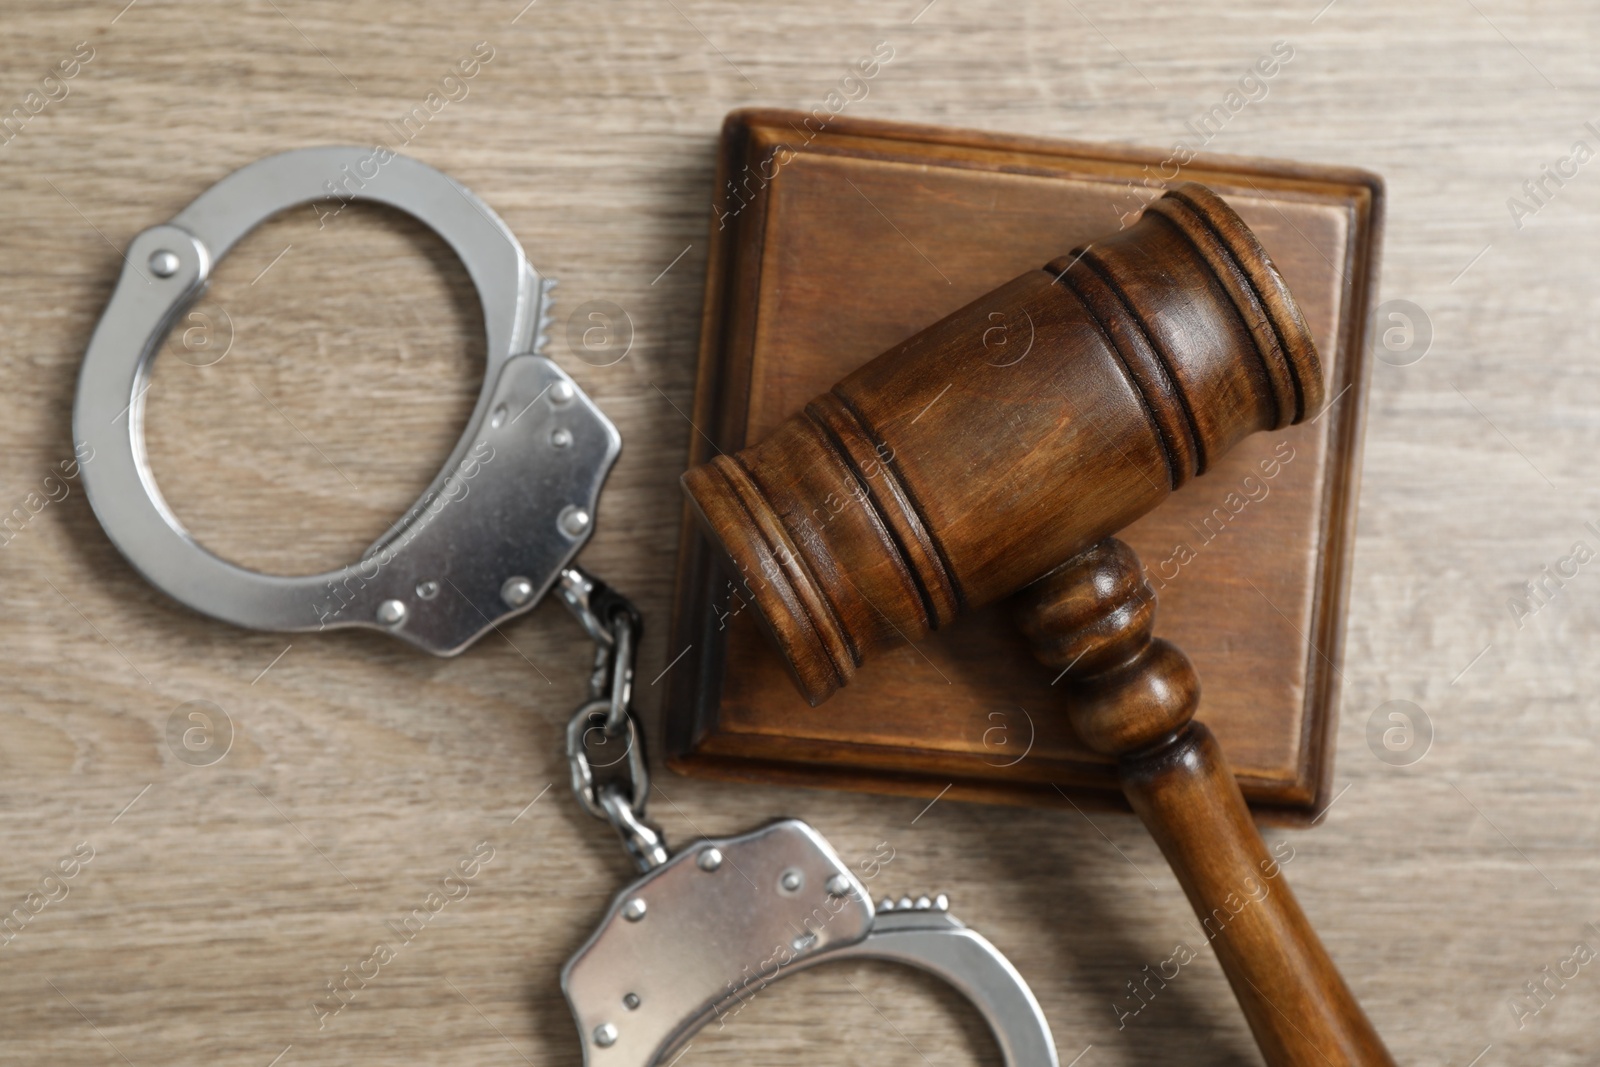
<point>701,931</point>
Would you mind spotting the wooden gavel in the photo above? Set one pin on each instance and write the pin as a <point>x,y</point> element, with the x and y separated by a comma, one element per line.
<point>1004,445</point>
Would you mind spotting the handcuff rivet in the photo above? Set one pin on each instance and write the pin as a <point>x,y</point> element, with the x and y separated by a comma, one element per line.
<point>709,859</point>
<point>838,886</point>
<point>605,1035</point>
<point>631,1001</point>
<point>561,393</point>
<point>573,520</point>
<point>562,438</point>
<point>391,613</point>
<point>516,591</point>
<point>792,880</point>
<point>634,909</point>
<point>497,417</point>
<point>428,590</point>
<point>164,263</point>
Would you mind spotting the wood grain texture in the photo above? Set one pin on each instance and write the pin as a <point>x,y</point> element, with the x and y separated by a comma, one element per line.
<point>206,923</point>
<point>811,268</point>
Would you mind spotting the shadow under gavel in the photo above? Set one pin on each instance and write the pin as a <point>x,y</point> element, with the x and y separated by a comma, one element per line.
<point>1008,442</point>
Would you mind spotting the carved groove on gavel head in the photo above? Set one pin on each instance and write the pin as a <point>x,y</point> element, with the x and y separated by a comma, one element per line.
<point>949,471</point>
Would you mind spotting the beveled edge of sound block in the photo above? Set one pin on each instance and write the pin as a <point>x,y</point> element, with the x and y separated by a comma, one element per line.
<point>738,223</point>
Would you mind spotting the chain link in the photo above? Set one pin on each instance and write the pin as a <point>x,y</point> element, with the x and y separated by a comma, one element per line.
<point>606,719</point>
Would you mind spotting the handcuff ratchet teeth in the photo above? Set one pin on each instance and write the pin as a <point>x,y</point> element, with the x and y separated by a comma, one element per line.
<point>699,932</point>
<point>512,505</point>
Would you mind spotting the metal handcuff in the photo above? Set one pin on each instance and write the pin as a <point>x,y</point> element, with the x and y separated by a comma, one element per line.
<point>701,931</point>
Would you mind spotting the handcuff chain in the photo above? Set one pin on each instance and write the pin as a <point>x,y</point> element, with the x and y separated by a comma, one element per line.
<point>613,623</point>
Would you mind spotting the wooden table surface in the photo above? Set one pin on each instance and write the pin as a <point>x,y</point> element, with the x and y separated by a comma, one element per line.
<point>209,905</point>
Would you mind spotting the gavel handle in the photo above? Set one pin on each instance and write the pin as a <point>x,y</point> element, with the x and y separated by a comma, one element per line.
<point>1133,698</point>
<point>1292,995</point>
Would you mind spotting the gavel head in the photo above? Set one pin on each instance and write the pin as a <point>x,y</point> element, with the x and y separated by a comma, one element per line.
<point>972,458</point>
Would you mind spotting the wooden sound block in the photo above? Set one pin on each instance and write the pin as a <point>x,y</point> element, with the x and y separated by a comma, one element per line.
<point>831,244</point>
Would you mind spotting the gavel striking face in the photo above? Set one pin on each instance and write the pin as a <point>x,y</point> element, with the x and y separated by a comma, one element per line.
<point>1004,445</point>
<point>972,458</point>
